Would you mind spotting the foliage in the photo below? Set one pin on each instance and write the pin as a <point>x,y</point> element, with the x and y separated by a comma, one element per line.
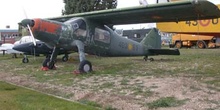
<point>79,6</point>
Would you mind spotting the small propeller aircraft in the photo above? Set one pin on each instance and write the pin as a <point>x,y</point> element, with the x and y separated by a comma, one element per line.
<point>29,48</point>
<point>7,47</point>
<point>91,32</point>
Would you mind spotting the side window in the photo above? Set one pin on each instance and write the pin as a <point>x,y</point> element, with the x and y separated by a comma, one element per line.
<point>137,35</point>
<point>102,35</point>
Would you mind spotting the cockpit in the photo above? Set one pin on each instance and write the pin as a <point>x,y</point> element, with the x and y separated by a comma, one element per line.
<point>78,26</point>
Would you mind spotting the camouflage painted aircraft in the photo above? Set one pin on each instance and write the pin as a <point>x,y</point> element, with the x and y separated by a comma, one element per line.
<point>91,33</point>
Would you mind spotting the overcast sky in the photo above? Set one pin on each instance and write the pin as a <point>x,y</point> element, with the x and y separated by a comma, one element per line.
<point>12,11</point>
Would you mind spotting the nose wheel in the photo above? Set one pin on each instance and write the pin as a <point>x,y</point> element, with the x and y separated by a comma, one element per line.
<point>25,60</point>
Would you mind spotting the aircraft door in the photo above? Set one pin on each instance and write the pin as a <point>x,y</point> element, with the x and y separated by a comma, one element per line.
<point>102,40</point>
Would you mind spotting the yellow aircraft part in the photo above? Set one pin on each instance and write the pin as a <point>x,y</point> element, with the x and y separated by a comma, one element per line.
<point>196,26</point>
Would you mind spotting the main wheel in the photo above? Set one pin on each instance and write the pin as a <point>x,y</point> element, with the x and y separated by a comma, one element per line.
<point>145,58</point>
<point>25,60</point>
<point>85,66</point>
<point>48,64</point>
<point>151,59</point>
<point>65,58</point>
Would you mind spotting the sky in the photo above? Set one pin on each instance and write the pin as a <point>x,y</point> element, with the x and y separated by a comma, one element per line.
<point>13,11</point>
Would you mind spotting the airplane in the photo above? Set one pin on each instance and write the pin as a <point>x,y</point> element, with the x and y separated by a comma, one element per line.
<point>8,48</point>
<point>91,32</point>
<point>29,48</point>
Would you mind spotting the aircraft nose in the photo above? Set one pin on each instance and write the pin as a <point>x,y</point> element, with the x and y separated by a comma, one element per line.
<point>22,47</point>
<point>27,22</point>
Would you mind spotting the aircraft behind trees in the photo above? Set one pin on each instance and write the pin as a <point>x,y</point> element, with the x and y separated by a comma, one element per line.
<point>91,32</point>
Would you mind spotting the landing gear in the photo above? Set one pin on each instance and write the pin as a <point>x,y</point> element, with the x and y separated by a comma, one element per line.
<point>150,59</point>
<point>65,58</point>
<point>85,66</point>
<point>49,62</point>
<point>25,59</point>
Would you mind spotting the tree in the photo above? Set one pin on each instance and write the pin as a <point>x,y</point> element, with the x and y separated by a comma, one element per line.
<point>79,6</point>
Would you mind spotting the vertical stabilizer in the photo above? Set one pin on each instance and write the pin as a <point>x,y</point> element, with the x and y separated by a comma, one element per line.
<point>152,40</point>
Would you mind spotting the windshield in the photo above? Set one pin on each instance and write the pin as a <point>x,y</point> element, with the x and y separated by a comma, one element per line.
<point>78,26</point>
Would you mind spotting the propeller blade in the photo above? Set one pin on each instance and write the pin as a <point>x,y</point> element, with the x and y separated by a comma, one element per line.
<point>25,14</point>
<point>32,36</point>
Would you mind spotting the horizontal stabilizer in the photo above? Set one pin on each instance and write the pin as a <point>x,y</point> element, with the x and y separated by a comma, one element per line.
<point>164,51</point>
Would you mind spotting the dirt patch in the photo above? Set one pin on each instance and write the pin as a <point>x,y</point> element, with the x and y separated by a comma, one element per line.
<point>129,94</point>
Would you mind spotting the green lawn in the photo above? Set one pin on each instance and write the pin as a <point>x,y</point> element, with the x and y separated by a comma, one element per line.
<point>18,98</point>
<point>118,76</point>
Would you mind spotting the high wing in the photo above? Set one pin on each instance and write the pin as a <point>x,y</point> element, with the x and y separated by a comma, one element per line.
<point>163,12</point>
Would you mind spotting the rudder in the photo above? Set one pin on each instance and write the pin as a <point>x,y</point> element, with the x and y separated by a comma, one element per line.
<point>152,39</point>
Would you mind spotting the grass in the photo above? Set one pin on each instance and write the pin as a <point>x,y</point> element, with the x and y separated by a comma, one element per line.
<point>95,104</point>
<point>166,102</point>
<point>199,62</point>
<point>18,98</point>
<point>91,103</point>
<point>122,75</point>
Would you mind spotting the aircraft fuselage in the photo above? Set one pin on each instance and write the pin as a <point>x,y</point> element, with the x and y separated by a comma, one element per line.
<point>98,39</point>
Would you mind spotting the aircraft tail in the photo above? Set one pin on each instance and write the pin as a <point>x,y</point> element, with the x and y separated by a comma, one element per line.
<point>153,44</point>
<point>152,40</point>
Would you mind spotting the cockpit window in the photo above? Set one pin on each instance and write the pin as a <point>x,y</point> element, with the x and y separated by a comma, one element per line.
<point>102,35</point>
<point>78,26</point>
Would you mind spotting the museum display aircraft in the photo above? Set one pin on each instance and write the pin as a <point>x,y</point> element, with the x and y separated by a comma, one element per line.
<point>8,48</point>
<point>28,48</point>
<point>91,32</point>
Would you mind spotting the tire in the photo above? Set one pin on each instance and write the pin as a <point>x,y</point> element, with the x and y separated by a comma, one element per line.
<point>45,62</point>
<point>178,45</point>
<point>85,66</point>
<point>201,44</point>
<point>151,59</point>
<point>65,58</point>
<point>145,58</point>
<point>25,60</point>
<point>48,64</point>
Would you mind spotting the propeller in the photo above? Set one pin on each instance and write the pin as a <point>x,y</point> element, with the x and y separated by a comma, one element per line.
<point>28,23</point>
